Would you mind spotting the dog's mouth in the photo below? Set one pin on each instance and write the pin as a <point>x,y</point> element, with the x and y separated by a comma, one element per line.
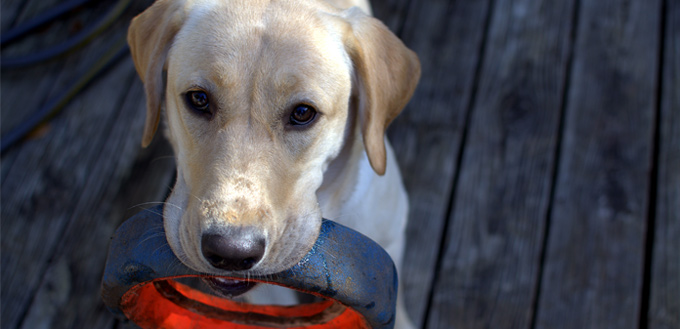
<point>229,288</point>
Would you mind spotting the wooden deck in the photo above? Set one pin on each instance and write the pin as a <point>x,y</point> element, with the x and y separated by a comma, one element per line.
<point>541,153</point>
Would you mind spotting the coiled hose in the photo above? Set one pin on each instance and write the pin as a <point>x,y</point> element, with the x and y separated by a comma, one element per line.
<point>53,106</point>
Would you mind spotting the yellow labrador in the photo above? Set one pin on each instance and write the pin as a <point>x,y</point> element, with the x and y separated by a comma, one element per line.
<point>276,111</point>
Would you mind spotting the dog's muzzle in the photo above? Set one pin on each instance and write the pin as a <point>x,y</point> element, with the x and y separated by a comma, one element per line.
<point>353,274</point>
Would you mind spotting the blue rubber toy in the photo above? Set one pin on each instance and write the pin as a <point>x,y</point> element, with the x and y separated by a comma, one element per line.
<point>353,274</point>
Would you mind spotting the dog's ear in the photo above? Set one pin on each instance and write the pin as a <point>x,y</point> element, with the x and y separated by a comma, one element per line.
<point>387,74</point>
<point>150,36</point>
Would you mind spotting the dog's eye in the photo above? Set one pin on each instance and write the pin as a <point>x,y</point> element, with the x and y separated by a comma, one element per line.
<point>302,115</point>
<point>198,101</point>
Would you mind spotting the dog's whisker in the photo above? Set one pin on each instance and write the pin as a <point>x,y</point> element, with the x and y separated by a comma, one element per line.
<point>159,248</point>
<point>151,237</point>
<point>174,267</point>
<point>197,198</point>
<point>146,204</point>
<point>153,211</point>
<point>174,205</point>
<point>154,235</point>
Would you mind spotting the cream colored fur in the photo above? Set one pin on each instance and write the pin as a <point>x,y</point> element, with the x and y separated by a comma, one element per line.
<point>244,165</point>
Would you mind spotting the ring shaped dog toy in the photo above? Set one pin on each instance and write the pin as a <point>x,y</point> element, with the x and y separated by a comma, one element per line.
<point>353,274</point>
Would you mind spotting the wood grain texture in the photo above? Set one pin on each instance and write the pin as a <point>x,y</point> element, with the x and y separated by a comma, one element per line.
<point>43,189</point>
<point>106,201</point>
<point>489,270</point>
<point>594,260</point>
<point>664,306</point>
<point>392,13</point>
<point>58,188</point>
<point>427,136</point>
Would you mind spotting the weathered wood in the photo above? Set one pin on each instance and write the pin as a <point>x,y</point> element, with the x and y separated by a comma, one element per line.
<point>53,277</point>
<point>428,173</point>
<point>664,305</point>
<point>391,12</point>
<point>45,177</point>
<point>100,209</point>
<point>428,135</point>
<point>594,259</point>
<point>43,188</point>
<point>491,261</point>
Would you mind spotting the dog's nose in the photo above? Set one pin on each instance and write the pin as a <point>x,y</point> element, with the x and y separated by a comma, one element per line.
<point>239,250</point>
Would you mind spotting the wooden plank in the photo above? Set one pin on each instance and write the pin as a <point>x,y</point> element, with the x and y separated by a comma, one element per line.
<point>664,306</point>
<point>489,271</point>
<point>391,12</point>
<point>427,136</point>
<point>428,173</point>
<point>594,260</point>
<point>100,209</point>
<point>42,189</point>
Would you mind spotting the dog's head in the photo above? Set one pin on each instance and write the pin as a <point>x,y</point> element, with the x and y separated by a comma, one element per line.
<point>258,96</point>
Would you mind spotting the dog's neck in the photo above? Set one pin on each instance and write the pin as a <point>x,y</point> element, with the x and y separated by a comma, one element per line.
<point>353,194</point>
<point>342,175</point>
